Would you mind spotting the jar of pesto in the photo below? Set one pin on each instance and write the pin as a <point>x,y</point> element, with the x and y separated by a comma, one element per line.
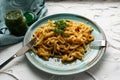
<point>16,22</point>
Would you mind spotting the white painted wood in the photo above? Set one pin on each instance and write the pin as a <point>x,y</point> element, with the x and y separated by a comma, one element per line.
<point>105,13</point>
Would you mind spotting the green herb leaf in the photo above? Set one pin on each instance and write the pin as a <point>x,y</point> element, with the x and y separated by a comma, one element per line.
<point>59,31</point>
<point>61,24</point>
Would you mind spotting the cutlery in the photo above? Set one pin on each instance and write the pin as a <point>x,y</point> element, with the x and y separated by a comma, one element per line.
<point>20,52</point>
<point>101,43</point>
<point>30,45</point>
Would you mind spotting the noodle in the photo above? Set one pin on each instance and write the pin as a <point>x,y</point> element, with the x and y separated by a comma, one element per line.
<point>69,44</point>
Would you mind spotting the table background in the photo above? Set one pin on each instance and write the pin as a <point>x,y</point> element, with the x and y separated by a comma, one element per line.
<point>105,13</point>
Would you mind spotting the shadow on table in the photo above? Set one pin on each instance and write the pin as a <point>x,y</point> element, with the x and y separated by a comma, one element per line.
<point>98,66</point>
<point>22,65</point>
<point>88,75</point>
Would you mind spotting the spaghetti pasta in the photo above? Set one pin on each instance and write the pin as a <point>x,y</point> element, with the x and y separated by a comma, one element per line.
<point>69,46</point>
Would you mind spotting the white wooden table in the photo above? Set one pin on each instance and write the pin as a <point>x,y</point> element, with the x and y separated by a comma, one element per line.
<point>105,14</point>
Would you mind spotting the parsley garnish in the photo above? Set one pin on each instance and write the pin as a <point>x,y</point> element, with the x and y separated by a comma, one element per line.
<point>59,31</point>
<point>61,25</point>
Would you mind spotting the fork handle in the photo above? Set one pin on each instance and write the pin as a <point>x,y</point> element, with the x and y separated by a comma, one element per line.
<point>7,61</point>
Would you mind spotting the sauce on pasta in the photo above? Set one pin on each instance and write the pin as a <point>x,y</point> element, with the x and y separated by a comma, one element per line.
<point>69,45</point>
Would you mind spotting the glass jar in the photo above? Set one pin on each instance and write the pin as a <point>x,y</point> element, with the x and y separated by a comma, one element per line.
<point>16,22</point>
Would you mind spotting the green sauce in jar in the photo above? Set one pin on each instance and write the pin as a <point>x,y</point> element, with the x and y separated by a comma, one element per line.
<point>16,22</point>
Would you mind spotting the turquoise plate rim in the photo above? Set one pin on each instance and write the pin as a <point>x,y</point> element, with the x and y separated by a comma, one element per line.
<point>67,72</point>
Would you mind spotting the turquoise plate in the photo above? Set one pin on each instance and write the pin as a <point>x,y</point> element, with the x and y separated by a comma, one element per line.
<point>54,65</point>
